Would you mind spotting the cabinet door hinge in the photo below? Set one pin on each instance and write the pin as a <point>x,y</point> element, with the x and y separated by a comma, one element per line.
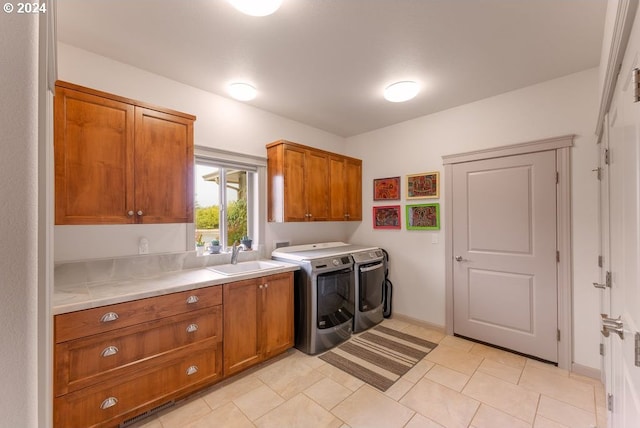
<point>558,335</point>
<point>607,279</point>
<point>602,349</point>
<point>610,402</point>
<point>558,256</point>
<point>600,261</point>
<point>637,346</point>
<point>557,177</point>
<point>598,171</point>
<point>607,157</point>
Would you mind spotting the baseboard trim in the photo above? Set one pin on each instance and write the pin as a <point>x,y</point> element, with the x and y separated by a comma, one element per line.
<point>586,371</point>
<point>406,318</point>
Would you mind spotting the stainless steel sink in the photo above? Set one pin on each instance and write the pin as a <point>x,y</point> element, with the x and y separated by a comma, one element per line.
<point>244,267</point>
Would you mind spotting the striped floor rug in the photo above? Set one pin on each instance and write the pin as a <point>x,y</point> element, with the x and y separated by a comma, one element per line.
<point>379,356</point>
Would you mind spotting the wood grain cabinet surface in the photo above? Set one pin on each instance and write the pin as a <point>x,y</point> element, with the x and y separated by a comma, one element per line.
<point>308,184</point>
<point>120,161</point>
<point>258,320</point>
<point>115,362</point>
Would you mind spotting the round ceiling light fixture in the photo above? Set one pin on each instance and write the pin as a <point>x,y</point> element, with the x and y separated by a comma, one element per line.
<point>256,7</point>
<point>242,91</point>
<point>401,91</point>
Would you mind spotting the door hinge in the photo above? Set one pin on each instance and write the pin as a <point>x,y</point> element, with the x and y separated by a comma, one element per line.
<point>602,349</point>
<point>558,335</point>
<point>557,177</point>
<point>637,346</point>
<point>636,85</point>
<point>558,256</point>
<point>607,279</point>
<point>600,261</point>
<point>598,172</point>
<point>610,402</point>
<point>607,157</point>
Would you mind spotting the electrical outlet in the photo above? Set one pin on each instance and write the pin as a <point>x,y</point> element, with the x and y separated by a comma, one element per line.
<point>143,246</point>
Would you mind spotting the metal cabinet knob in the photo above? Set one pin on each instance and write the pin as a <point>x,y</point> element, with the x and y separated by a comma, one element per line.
<point>109,350</point>
<point>140,212</point>
<point>459,258</point>
<point>109,316</point>
<point>192,370</point>
<point>192,327</point>
<point>130,213</point>
<point>192,300</point>
<point>109,402</point>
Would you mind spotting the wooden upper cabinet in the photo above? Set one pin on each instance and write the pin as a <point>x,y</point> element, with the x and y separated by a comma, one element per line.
<point>307,184</point>
<point>346,188</point>
<point>164,167</point>
<point>119,161</point>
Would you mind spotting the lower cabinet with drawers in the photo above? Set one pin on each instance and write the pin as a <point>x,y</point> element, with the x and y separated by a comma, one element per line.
<point>116,362</point>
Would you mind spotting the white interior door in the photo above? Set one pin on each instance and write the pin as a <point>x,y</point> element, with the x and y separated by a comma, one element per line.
<point>623,169</point>
<point>504,245</point>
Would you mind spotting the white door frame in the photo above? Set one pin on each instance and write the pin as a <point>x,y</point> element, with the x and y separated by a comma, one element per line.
<point>562,146</point>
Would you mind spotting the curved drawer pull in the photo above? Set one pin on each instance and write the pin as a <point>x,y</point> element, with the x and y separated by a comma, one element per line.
<point>109,316</point>
<point>192,327</point>
<point>192,299</point>
<point>109,402</point>
<point>192,370</point>
<point>109,350</point>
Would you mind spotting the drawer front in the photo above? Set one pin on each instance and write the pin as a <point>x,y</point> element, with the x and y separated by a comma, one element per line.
<point>104,406</point>
<point>82,362</point>
<point>85,323</point>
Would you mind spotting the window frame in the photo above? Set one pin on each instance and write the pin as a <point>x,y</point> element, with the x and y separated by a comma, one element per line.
<point>256,213</point>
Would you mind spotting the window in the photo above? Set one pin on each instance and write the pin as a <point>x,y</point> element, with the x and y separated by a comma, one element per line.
<point>226,199</point>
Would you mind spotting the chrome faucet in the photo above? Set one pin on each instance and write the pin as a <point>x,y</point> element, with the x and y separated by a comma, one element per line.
<point>235,249</point>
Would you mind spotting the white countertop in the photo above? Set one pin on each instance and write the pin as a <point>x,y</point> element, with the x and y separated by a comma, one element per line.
<point>86,295</point>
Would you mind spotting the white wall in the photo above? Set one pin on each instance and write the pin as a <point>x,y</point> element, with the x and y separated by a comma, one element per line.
<point>19,225</point>
<point>563,106</point>
<point>221,123</point>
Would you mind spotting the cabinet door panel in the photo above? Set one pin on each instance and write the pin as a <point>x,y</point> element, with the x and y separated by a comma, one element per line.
<point>295,195</point>
<point>353,184</point>
<point>93,145</point>
<point>163,167</point>
<point>277,312</point>
<point>338,190</point>
<point>241,337</point>
<point>317,180</point>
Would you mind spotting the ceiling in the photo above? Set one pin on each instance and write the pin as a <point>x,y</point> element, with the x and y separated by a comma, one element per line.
<point>325,63</point>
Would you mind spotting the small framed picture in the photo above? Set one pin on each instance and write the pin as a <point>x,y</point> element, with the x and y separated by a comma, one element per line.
<point>386,189</point>
<point>423,217</point>
<point>387,217</point>
<point>424,185</point>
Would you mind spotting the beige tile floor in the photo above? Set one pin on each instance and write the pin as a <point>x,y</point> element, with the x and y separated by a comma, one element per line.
<point>459,384</point>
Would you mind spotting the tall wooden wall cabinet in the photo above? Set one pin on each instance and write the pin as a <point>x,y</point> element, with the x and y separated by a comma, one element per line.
<point>119,161</point>
<point>308,184</point>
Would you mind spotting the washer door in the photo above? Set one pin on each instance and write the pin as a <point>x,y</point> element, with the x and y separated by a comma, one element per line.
<point>370,286</point>
<point>335,298</point>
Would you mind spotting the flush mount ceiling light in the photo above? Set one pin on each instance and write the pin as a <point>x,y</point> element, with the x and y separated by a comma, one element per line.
<point>401,91</point>
<point>256,7</point>
<point>242,91</point>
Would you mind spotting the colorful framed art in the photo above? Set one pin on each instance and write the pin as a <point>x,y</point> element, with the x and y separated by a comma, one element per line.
<point>387,217</point>
<point>386,189</point>
<point>424,185</point>
<point>423,217</point>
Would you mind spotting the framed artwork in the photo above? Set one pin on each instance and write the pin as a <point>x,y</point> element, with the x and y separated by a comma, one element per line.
<point>387,217</point>
<point>425,185</point>
<point>386,189</point>
<point>423,217</point>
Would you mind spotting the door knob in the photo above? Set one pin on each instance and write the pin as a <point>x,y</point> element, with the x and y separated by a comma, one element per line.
<point>614,325</point>
<point>459,258</point>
